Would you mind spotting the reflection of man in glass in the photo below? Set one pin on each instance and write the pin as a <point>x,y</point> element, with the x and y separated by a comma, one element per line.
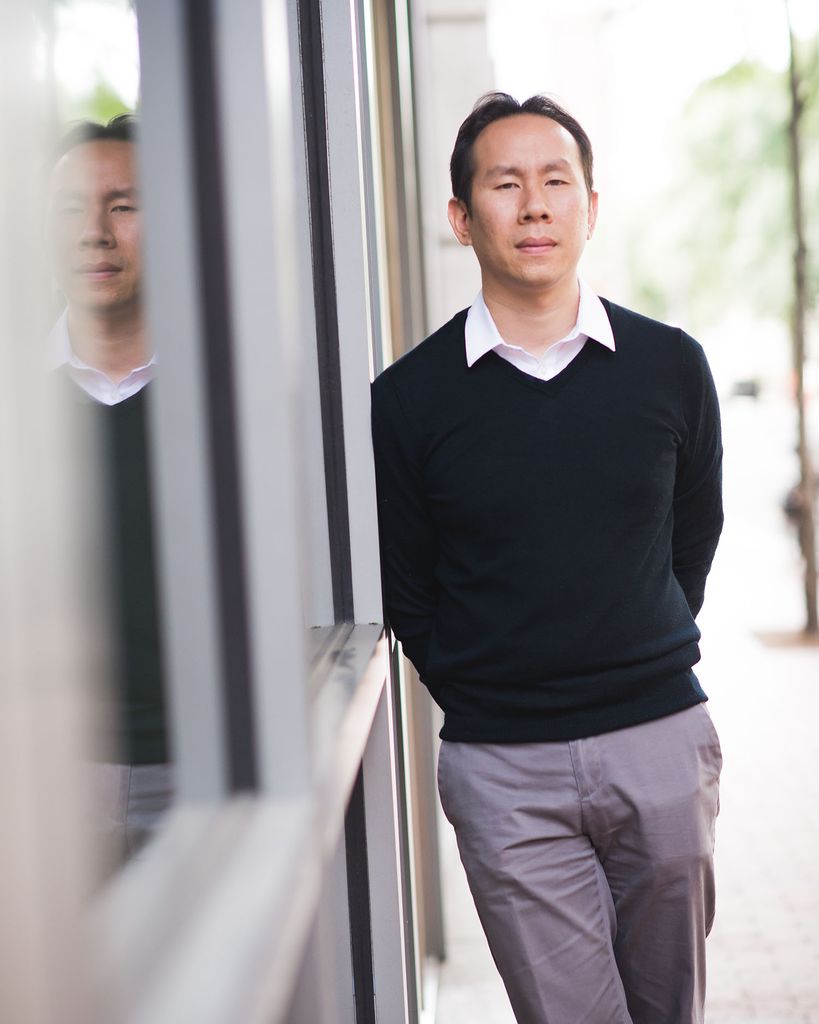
<point>100,346</point>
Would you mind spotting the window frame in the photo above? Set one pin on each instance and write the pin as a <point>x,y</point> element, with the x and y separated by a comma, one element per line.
<point>262,841</point>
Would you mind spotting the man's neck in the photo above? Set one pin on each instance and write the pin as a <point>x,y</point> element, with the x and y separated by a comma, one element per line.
<point>115,344</point>
<point>536,320</point>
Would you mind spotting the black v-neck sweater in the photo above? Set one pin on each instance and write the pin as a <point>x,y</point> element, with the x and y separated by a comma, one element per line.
<point>545,544</point>
<point>134,699</point>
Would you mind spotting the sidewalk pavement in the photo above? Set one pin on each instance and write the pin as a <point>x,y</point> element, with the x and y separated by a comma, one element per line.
<point>763,954</point>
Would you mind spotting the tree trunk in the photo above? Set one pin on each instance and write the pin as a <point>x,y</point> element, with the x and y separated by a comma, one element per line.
<point>807,530</point>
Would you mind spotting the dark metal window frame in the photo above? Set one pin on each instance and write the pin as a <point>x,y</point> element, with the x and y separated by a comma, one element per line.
<point>358,897</point>
<point>324,292</point>
<point>222,420</point>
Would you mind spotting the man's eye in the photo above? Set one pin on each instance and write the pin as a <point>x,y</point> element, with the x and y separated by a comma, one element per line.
<point>555,181</point>
<point>507,185</point>
<point>123,208</point>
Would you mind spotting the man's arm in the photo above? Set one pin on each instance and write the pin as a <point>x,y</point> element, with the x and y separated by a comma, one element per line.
<point>698,488</point>
<point>409,548</point>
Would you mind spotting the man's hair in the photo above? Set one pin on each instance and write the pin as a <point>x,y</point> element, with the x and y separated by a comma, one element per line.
<point>494,106</point>
<point>122,128</point>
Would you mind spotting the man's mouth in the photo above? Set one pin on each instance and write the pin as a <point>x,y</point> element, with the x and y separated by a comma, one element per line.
<point>97,271</point>
<point>536,246</point>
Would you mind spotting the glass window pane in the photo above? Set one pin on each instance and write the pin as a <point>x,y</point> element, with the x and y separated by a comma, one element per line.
<point>102,363</point>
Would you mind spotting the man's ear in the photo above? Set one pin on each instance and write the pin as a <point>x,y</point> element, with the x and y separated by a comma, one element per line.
<point>592,214</point>
<point>459,219</point>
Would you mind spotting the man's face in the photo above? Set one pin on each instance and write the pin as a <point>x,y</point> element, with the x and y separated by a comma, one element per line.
<point>95,226</point>
<point>531,211</point>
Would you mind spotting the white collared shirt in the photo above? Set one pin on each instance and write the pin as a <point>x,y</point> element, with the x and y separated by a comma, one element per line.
<point>94,382</point>
<point>482,336</point>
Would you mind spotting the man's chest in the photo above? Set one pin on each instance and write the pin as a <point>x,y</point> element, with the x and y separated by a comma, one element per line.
<point>540,457</point>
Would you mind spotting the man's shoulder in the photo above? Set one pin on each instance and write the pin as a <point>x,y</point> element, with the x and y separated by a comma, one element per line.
<point>433,358</point>
<point>627,323</point>
<point>636,331</point>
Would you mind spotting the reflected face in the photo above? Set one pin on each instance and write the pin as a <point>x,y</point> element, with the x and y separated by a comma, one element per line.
<point>531,213</point>
<point>95,227</point>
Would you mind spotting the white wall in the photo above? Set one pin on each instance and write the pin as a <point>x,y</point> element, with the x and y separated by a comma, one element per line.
<point>452,69</point>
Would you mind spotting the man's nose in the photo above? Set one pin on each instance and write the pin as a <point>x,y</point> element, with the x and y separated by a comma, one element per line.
<point>96,231</point>
<point>535,205</point>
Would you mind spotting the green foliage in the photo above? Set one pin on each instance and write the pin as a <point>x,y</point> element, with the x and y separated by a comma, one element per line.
<point>100,104</point>
<point>723,235</point>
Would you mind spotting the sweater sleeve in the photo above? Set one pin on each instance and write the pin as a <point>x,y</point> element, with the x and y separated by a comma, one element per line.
<point>698,513</point>
<point>409,548</point>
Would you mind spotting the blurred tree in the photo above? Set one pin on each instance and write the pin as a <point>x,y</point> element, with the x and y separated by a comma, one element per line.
<point>722,235</point>
<point>807,530</point>
<point>100,104</point>
<point>740,226</point>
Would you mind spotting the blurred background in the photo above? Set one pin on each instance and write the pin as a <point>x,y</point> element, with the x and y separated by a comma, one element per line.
<point>291,159</point>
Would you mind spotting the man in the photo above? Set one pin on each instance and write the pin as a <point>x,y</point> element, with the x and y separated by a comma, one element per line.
<point>548,468</point>
<point>101,348</point>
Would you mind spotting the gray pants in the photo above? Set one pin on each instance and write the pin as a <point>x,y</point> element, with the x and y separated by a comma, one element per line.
<point>128,801</point>
<point>591,866</point>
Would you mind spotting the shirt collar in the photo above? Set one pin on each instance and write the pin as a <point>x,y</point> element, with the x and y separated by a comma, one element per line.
<point>482,335</point>
<point>94,382</point>
<point>60,352</point>
<point>59,344</point>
